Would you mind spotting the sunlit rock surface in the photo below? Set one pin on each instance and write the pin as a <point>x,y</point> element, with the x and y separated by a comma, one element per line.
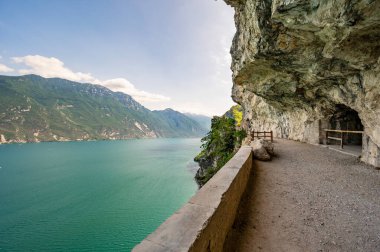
<point>298,63</point>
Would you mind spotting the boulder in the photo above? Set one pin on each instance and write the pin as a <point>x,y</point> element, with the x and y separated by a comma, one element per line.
<point>269,146</point>
<point>260,149</point>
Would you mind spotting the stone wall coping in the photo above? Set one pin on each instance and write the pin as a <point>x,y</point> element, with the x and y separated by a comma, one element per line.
<point>204,221</point>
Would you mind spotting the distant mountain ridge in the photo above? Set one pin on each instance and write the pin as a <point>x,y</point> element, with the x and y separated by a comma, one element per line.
<point>203,120</point>
<point>33,109</point>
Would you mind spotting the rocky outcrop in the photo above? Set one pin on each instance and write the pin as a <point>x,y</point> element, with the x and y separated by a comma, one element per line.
<point>296,64</point>
<point>220,144</point>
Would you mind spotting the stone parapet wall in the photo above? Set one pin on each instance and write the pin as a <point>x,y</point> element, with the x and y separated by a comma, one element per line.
<point>204,221</point>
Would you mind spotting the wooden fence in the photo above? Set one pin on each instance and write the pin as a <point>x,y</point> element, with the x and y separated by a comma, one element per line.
<point>262,135</point>
<point>340,139</point>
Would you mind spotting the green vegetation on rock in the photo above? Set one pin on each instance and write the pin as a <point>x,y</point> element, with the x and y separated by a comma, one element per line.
<point>220,144</point>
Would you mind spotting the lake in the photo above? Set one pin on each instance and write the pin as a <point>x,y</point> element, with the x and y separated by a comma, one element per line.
<point>91,196</point>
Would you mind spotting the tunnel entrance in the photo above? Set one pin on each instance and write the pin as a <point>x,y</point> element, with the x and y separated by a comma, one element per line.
<point>347,119</point>
<point>344,130</point>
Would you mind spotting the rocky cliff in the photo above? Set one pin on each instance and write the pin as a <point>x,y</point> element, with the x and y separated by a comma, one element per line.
<point>302,66</point>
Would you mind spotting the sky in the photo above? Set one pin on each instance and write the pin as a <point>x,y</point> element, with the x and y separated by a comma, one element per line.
<point>165,53</point>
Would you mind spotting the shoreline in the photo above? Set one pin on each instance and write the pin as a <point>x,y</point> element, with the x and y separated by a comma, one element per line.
<point>93,140</point>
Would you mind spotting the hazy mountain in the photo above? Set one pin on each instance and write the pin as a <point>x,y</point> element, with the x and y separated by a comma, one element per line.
<point>33,108</point>
<point>203,120</point>
<point>180,123</point>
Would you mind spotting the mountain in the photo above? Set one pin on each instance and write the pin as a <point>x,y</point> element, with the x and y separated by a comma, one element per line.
<point>203,120</point>
<point>180,123</point>
<point>33,109</point>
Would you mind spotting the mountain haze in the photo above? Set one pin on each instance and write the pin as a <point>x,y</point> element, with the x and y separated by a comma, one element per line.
<point>203,120</point>
<point>179,122</point>
<point>33,108</point>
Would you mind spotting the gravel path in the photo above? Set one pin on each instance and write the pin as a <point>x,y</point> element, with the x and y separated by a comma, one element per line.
<point>309,198</point>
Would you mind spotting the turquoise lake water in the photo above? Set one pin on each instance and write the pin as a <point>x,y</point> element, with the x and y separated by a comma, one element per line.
<point>91,196</point>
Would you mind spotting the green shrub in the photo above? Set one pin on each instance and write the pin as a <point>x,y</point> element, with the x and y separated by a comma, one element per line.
<point>219,145</point>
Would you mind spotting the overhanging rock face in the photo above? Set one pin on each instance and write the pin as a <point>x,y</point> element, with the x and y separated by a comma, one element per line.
<point>295,61</point>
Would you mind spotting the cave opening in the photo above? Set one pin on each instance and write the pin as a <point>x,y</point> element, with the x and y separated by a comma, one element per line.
<point>346,125</point>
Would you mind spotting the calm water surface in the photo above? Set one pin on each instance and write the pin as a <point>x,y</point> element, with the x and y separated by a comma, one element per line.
<point>91,196</point>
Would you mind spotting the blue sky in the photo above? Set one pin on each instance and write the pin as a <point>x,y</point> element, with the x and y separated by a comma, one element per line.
<point>165,53</point>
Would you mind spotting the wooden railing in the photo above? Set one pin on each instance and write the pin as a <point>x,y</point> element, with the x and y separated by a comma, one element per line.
<point>341,135</point>
<point>262,135</point>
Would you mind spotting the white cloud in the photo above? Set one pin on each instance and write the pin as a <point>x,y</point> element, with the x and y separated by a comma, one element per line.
<point>5,69</point>
<point>123,85</point>
<point>53,67</point>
